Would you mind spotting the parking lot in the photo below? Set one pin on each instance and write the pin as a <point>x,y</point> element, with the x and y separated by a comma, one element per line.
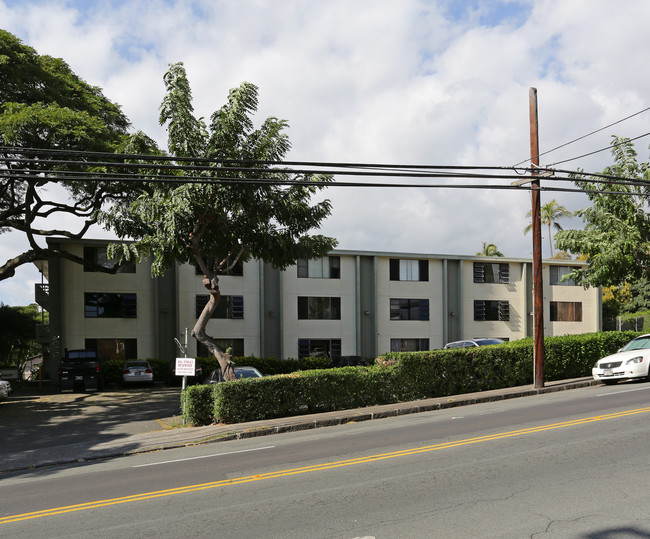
<point>39,418</point>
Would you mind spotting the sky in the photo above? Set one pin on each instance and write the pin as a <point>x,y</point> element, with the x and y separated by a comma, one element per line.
<point>430,82</point>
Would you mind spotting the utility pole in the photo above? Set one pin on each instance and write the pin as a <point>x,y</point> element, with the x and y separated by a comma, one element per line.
<point>538,288</point>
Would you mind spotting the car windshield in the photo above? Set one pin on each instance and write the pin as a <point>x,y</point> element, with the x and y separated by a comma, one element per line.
<point>137,364</point>
<point>637,344</point>
<point>246,373</point>
<point>484,342</point>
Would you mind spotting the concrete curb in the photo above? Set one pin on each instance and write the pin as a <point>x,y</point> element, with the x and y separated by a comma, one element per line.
<point>190,436</point>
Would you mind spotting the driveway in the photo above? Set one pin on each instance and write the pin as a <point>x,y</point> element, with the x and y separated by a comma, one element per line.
<point>32,419</point>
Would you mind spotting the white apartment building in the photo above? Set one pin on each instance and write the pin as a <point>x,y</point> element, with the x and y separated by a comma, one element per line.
<point>350,303</point>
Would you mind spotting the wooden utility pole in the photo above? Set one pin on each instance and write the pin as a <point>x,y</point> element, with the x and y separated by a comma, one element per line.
<point>538,288</point>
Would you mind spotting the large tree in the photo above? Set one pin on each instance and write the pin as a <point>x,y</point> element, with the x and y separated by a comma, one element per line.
<point>265,213</point>
<point>44,106</point>
<point>550,213</point>
<point>616,237</point>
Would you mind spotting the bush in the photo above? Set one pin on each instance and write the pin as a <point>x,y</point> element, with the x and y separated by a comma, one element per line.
<point>197,404</point>
<point>410,376</point>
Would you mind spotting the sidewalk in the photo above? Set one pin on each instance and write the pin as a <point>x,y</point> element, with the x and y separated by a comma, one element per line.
<point>93,449</point>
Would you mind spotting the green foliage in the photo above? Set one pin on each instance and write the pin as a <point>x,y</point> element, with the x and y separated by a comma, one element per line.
<point>112,371</point>
<point>616,238</point>
<point>237,212</point>
<point>639,297</point>
<point>44,105</point>
<point>489,249</point>
<point>197,403</point>
<point>272,365</point>
<point>225,220</point>
<point>409,376</point>
<point>17,334</point>
<point>549,215</point>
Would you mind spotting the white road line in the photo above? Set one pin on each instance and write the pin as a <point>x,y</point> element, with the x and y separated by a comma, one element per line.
<point>624,391</point>
<point>202,457</point>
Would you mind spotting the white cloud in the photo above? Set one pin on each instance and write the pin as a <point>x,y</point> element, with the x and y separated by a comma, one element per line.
<point>415,81</point>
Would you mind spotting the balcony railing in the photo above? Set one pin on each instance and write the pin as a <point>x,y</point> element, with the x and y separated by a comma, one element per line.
<point>42,295</point>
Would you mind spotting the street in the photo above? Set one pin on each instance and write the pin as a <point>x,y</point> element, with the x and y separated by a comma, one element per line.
<point>567,464</point>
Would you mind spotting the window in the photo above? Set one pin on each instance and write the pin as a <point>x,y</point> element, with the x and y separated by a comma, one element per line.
<point>491,310</point>
<point>409,345</point>
<point>566,311</point>
<point>491,272</point>
<point>315,308</point>
<point>228,306</point>
<point>326,267</point>
<point>98,256</point>
<point>236,346</point>
<point>557,272</point>
<point>409,309</point>
<point>329,348</point>
<point>237,270</point>
<point>121,349</point>
<point>409,270</point>
<point>98,305</point>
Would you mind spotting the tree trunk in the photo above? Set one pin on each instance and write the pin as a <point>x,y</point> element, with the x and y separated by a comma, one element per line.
<point>198,332</point>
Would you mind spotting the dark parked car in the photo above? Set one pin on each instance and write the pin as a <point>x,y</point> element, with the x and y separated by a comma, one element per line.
<point>469,343</point>
<point>80,370</point>
<point>240,372</point>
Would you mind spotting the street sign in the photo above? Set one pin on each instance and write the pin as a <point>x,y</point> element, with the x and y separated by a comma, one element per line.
<point>185,366</point>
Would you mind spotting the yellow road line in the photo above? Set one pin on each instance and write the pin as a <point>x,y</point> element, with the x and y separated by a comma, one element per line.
<point>316,467</point>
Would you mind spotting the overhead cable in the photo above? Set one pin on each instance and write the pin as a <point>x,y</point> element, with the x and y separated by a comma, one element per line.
<point>584,136</point>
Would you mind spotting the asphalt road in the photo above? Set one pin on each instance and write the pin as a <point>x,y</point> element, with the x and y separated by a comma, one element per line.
<point>569,464</point>
<point>35,420</point>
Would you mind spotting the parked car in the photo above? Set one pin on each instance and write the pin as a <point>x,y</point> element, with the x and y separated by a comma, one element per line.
<point>631,361</point>
<point>5,389</point>
<point>469,343</point>
<point>137,371</point>
<point>240,372</point>
<point>80,370</point>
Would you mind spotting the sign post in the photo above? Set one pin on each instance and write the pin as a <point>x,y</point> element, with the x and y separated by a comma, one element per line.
<point>185,366</point>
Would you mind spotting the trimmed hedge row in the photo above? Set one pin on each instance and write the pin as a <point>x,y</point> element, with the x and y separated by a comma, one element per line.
<point>398,377</point>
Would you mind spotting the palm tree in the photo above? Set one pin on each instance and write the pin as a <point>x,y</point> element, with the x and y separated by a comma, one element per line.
<point>489,249</point>
<point>549,214</point>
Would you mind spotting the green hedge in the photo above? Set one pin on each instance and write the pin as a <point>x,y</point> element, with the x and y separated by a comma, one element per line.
<point>399,377</point>
<point>268,366</point>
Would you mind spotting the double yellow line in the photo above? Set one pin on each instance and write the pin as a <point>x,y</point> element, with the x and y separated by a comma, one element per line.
<point>315,467</point>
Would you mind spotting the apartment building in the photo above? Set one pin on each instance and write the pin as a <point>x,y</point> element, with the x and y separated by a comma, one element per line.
<point>350,303</point>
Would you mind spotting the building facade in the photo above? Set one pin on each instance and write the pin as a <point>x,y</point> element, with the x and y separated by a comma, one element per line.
<point>350,303</point>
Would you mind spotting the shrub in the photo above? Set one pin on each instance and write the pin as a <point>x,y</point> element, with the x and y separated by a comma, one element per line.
<point>197,404</point>
<point>410,376</point>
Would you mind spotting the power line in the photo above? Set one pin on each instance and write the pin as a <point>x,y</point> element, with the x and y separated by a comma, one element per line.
<point>585,136</point>
<point>601,150</point>
<point>270,176</point>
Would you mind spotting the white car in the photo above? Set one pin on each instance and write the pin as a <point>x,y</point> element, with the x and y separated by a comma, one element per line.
<point>631,361</point>
<point>137,371</point>
<point>5,389</point>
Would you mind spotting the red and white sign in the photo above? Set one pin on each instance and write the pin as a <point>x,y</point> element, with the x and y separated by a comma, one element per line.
<point>185,366</point>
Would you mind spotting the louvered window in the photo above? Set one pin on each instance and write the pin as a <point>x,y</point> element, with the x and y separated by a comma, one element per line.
<point>491,272</point>
<point>491,310</point>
